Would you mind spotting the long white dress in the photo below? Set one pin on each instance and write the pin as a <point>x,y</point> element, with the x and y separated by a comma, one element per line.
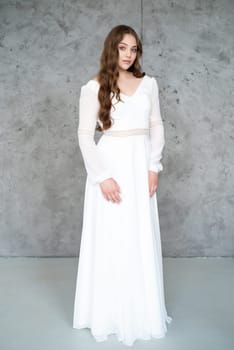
<point>119,287</point>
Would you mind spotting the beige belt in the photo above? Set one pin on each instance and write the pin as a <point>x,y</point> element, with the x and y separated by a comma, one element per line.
<point>126,132</point>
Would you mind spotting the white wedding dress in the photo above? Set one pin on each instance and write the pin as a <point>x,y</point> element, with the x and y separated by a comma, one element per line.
<point>119,287</point>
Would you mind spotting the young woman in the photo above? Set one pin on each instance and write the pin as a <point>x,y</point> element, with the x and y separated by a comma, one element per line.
<point>119,286</point>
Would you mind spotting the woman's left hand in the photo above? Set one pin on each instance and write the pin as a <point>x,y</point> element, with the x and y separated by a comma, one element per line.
<point>153,182</point>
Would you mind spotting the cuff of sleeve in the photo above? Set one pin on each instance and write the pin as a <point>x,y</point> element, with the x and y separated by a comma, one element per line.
<point>157,168</point>
<point>100,178</point>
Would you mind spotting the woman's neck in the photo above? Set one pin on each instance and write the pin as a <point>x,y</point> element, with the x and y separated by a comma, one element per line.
<point>124,74</point>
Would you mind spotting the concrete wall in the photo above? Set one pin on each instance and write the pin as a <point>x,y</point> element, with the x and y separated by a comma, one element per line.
<point>48,49</point>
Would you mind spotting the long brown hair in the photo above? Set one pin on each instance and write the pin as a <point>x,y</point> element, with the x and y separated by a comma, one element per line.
<point>108,73</point>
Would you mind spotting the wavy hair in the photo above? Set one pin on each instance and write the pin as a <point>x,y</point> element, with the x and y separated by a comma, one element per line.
<point>108,73</point>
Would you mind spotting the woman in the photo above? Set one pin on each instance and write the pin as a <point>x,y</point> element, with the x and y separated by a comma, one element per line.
<point>119,285</point>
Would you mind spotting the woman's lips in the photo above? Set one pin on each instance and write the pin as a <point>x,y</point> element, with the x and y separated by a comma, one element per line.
<point>127,61</point>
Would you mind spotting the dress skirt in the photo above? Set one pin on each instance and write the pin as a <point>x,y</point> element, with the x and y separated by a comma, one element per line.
<point>119,287</point>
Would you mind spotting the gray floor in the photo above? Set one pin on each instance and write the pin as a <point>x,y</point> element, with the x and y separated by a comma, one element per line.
<point>37,296</point>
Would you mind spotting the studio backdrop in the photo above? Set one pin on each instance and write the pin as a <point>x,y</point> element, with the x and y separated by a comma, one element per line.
<point>47,51</point>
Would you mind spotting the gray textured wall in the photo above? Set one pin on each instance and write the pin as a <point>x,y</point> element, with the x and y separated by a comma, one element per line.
<point>48,49</point>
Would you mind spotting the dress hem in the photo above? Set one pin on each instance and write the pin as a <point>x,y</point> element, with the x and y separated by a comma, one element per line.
<point>105,337</point>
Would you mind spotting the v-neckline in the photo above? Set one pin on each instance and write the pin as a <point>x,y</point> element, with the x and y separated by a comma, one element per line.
<point>128,96</point>
<point>138,87</point>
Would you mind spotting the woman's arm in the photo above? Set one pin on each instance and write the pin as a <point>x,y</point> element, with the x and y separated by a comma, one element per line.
<point>157,137</point>
<point>88,113</point>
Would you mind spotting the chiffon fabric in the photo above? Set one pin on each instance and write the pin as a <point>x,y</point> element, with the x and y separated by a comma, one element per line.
<point>119,286</point>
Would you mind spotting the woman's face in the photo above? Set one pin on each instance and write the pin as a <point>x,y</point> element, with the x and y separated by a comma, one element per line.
<point>127,51</point>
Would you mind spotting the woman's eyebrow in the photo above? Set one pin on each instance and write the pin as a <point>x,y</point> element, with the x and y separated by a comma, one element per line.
<point>127,44</point>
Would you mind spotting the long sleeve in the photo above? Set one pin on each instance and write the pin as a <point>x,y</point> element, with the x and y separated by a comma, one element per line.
<point>88,112</point>
<point>157,137</point>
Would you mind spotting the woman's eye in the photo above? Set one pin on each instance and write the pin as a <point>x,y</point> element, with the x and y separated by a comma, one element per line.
<point>123,48</point>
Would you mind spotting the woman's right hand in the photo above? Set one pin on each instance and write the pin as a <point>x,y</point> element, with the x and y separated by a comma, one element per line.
<point>110,190</point>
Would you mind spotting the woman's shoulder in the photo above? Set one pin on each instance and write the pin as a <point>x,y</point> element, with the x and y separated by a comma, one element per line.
<point>153,83</point>
<point>151,78</point>
<point>90,85</point>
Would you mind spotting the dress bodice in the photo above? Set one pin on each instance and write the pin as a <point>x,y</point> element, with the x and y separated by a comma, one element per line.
<point>133,111</point>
